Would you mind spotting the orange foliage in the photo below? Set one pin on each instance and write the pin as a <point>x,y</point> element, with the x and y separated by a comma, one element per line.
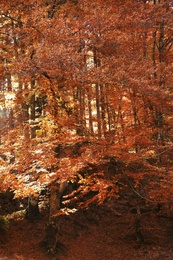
<point>100,72</point>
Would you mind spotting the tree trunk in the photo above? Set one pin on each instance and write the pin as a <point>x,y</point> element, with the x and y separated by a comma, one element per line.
<point>138,228</point>
<point>90,111</point>
<point>51,239</point>
<point>56,191</point>
<point>98,110</point>
<point>32,211</point>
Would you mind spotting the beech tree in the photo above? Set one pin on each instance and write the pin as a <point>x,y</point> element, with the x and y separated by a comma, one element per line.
<point>99,73</point>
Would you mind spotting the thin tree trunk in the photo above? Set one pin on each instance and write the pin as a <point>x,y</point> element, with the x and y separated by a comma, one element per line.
<point>98,110</point>
<point>90,111</point>
<point>103,108</point>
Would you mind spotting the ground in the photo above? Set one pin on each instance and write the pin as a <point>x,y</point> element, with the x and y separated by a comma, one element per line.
<point>98,233</point>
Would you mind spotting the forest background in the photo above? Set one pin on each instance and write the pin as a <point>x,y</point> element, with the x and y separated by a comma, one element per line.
<point>86,98</point>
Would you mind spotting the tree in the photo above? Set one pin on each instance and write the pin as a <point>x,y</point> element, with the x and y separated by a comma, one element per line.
<point>99,74</point>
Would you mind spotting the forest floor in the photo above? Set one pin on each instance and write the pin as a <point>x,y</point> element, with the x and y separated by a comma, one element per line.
<point>97,234</point>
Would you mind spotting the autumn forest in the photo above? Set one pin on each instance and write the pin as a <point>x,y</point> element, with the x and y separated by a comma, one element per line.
<point>86,109</point>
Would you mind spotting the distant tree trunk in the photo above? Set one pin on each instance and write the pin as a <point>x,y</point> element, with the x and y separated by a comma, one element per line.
<point>90,111</point>
<point>103,108</point>
<point>108,112</point>
<point>98,110</point>
<point>120,124</point>
<point>25,109</point>
<point>32,111</point>
<point>9,85</point>
<point>32,211</point>
<point>11,119</point>
<point>80,115</point>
